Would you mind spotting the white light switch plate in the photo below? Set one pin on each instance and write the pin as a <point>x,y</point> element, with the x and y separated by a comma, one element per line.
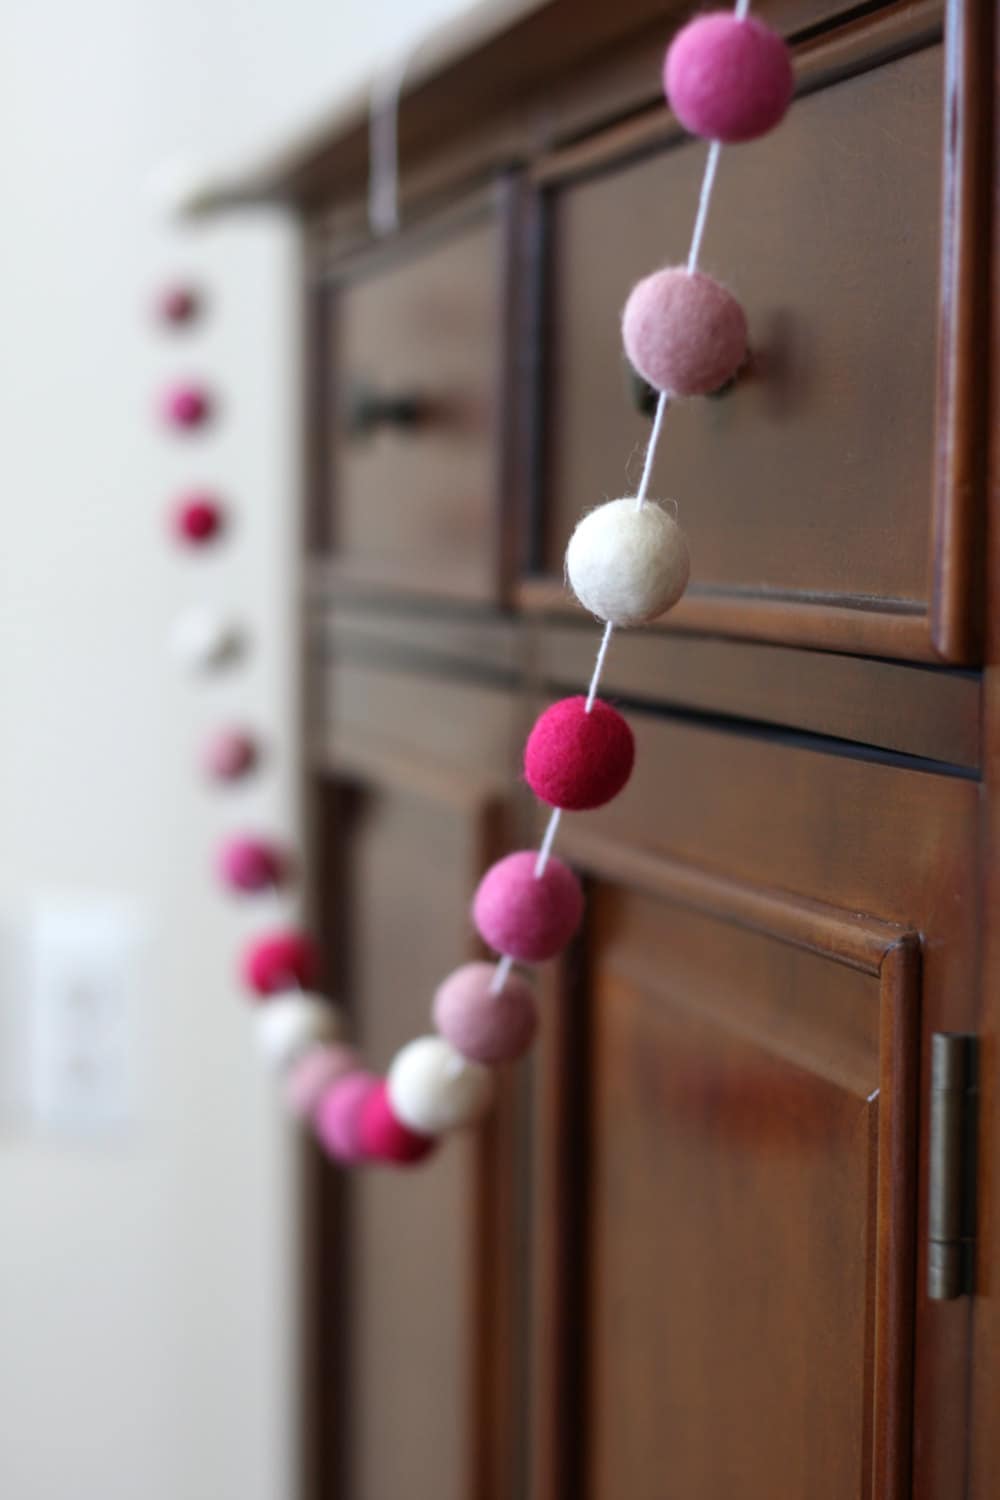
<point>79,1034</point>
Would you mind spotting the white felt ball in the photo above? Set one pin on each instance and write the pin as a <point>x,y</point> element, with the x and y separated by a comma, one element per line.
<point>432,1088</point>
<point>287,1025</point>
<point>627,565</point>
<point>201,638</point>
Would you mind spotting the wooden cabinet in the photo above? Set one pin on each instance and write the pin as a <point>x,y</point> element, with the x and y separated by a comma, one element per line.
<point>687,1258</point>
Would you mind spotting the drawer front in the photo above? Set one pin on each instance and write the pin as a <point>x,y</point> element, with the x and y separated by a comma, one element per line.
<point>816,492</point>
<point>409,488</point>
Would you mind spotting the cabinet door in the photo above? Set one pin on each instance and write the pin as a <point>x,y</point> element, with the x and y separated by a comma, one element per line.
<point>744,1269</point>
<point>416,1391</point>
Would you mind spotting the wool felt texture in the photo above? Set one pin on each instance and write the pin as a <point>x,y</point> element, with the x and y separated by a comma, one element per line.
<point>278,961</point>
<point>250,864</point>
<point>383,1137</point>
<point>314,1072</point>
<point>728,79</point>
<point>289,1024</point>
<point>337,1119</point>
<point>684,332</point>
<point>527,916</point>
<point>198,520</point>
<point>433,1089</point>
<point>578,760</point>
<point>483,1026</point>
<point>186,406</point>
<point>229,754</point>
<point>627,566</point>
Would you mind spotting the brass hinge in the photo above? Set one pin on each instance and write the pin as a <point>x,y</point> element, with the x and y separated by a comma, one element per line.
<point>951,1186</point>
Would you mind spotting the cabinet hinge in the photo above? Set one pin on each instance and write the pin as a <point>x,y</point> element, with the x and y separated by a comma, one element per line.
<point>951,1190</point>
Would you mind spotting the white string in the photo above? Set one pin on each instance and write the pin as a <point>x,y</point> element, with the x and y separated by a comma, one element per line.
<point>383,145</point>
<point>704,199</point>
<point>506,963</point>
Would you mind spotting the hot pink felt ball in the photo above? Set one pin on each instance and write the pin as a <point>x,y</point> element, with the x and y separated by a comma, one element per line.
<point>483,1026</point>
<point>337,1117</point>
<point>384,1137</point>
<point>279,961</point>
<point>524,916</point>
<point>250,864</point>
<point>186,407</point>
<point>728,79</point>
<point>314,1073</point>
<point>578,760</point>
<point>179,304</point>
<point>684,332</point>
<point>229,754</point>
<point>198,519</point>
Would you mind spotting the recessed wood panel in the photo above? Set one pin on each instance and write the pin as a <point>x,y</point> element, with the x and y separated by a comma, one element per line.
<point>739,1183</point>
<point>411,487</point>
<point>811,491</point>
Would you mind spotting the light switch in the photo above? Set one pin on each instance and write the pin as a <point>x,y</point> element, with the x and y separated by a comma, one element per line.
<point>79,1032</point>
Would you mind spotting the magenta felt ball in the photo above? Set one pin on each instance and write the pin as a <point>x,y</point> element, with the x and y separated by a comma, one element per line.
<point>383,1137</point>
<point>279,961</point>
<point>483,1026</point>
<point>197,520</point>
<point>575,760</point>
<point>728,79</point>
<point>337,1118</point>
<point>250,864</point>
<point>524,917</point>
<point>186,406</point>
<point>684,332</point>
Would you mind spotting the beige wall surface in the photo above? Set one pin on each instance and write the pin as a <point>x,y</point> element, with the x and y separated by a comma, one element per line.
<point>146,1271</point>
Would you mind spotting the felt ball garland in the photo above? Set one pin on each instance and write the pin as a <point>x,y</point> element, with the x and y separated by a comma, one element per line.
<point>728,78</point>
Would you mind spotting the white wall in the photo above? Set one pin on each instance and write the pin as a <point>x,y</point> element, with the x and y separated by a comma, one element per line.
<point>146,1295</point>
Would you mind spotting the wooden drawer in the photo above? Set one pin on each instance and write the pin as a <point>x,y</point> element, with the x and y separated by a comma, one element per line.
<point>407,489</point>
<point>828,495</point>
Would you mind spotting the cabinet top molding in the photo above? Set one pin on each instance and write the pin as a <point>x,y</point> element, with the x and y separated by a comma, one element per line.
<point>524,75</point>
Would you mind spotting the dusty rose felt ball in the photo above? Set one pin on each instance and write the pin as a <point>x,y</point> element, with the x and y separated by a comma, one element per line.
<point>578,760</point>
<point>198,519</point>
<point>684,332</point>
<point>337,1118</point>
<point>229,754</point>
<point>178,304</point>
<point>278,961</point>
<point>250,864</point>
<point>384,1137</point>
<point>728,79</point>
<point>314,1073</point>
<point>523,916</point>
<point>481,1025</point>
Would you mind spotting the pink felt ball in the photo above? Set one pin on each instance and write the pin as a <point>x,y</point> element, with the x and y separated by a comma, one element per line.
<point>728,79</point>
<point>524,916</point>
<point>337,1117</point>
<point>483,1026</point>
<point>229,754</point>
<point>314,1073</point>
<point>197,520</point>
<point>279,961</point>
<point>684,332</point>
<point>383,1137</point>
<point>177,305</point>
<point>186,406</point>
<point>250,864</point>
<point>578,760</point>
